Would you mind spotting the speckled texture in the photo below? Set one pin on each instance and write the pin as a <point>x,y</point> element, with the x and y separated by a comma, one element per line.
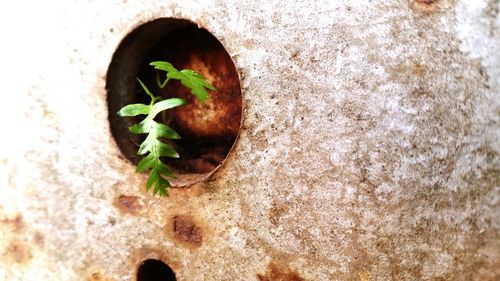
<point>369,148</point>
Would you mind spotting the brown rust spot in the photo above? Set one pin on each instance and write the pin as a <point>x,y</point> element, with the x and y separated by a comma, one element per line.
<point>18,252</point>
<point>184,230</point>
<point>16,223</point>
<point>419,69</point>
<point>430,5</point>
<point>98,276</point>
<point>129,204</point>
<point>276,212</point>
<point>279,272</point>
<point>426,2</point>
<point>39,239</point>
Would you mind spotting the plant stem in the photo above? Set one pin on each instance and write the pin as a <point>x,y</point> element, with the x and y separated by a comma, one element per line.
<point>158,81</point>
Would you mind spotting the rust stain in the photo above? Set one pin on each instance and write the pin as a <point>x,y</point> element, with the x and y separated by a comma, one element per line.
<point>279,272</point>
<point>15,223</point>
<point>129,204</point>
<point>276,212</point>
<point>426,2</point>
<point>430,5</point>
<point>18,252</point>
<point>416,69</point>
<point>248,44</point>
<point>184,230</point>
<point>219,116</point>
<point>419,94</point>
<point>419,69</point>
<point>364,275</point>
<point>39,239</point>
<point>98,276</point>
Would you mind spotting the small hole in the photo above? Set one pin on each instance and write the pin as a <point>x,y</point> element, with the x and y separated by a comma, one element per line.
<point>208,130</point>
<point>155,270</point>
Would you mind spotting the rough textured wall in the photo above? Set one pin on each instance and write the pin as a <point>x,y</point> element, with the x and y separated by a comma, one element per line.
<point>369,148</point>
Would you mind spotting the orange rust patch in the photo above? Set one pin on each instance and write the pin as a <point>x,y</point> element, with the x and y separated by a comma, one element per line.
<point>129,204</point>
<point>219,116</point>
<point>364,275</point>
<point>278,272</point>
<point>18,252</point>
<point>15,223</point>
<point>186,231</point>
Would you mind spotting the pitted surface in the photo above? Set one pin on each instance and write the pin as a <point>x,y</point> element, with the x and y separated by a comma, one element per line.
<point>369,148</point>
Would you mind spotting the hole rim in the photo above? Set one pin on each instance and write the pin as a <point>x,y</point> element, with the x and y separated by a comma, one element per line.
<point>182,179</point>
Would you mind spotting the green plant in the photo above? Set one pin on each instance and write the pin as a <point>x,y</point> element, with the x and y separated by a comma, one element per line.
<point>153,145</point>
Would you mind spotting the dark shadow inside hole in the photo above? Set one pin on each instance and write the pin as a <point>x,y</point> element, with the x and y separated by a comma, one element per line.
<point>209,129</point>
<point>155,270</point>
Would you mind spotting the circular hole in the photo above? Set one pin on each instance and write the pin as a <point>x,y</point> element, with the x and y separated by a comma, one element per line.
<point>155,270</point>
<point>208,130</point>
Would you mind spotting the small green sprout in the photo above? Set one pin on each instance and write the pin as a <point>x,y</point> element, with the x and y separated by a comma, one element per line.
<point>152,145</point>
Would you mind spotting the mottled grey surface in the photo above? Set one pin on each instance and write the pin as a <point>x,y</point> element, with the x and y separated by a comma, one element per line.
<point>369,148</point>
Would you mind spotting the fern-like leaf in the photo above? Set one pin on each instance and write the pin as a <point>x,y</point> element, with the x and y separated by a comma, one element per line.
<point>189,78</point>
<point>152,147</point>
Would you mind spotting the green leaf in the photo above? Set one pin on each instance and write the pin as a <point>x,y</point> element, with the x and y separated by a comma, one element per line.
<point>163,65</point>
<point>161,186</point>
<point>196,76</point>
<point>146,163</point>
<point>166,150</point>
<point>166,104</point>
<point>159,183</point>
<point>156,179</point>
<point>157,186</point>
<point>152,179</point>
<point>133,110</point>
<point>147,145</point>
<point>164,191</point>
<point>152,145</point>
<point>160,130</point>
<point>194,81</point>
<point>164,170</point>
<point>164,131</point>
<point>141,128</point>
<point>189,78</point>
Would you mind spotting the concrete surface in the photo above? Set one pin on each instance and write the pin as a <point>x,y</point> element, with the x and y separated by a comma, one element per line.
<point>369,148</point>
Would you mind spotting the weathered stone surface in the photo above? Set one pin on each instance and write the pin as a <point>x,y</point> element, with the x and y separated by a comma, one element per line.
<point>369,148</point>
